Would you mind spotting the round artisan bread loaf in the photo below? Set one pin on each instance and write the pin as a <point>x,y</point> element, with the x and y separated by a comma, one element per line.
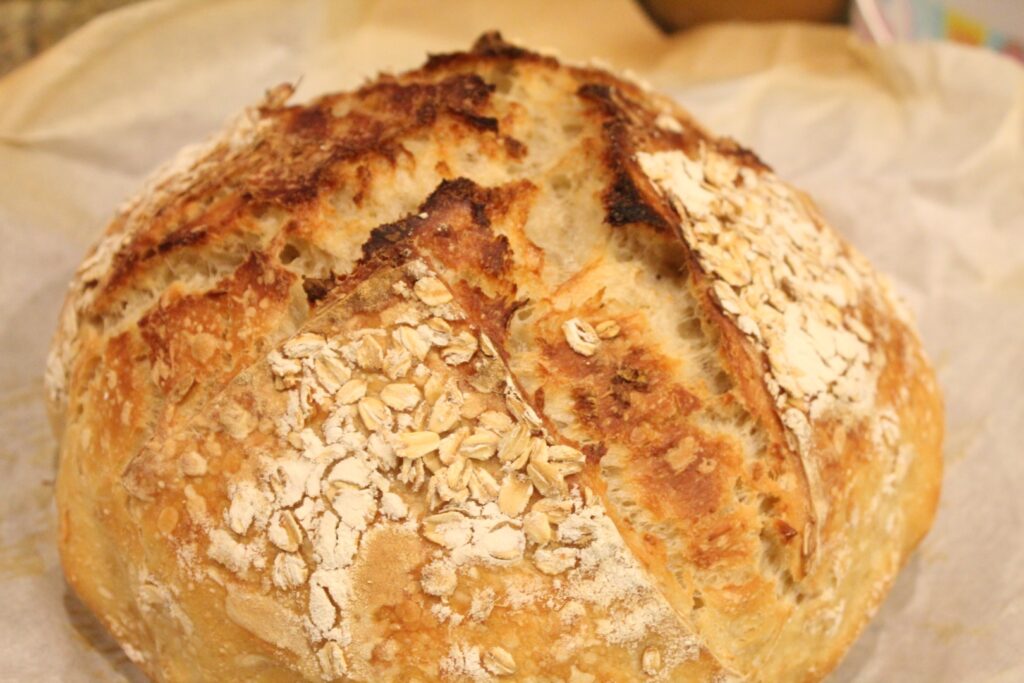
<point>498,369</point>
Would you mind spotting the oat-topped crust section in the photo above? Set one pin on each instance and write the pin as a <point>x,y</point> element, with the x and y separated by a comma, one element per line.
<point>499,369</point>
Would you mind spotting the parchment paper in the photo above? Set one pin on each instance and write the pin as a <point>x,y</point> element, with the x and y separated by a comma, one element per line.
<point>916,153</point>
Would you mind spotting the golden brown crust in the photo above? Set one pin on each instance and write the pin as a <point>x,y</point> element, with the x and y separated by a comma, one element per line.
<point>749,403</point>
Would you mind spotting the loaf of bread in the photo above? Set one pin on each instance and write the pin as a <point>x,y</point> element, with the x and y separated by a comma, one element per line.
<point>498,369</point>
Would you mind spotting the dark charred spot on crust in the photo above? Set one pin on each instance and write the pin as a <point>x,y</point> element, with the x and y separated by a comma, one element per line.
<point>514,148</point>
<point>294,169</point>
<point>483,123</point>
<point>594,452</point>
<point>538,400</point>
<point>473,246</point>
<point>496,257</point>
<point>295,195</point>
<point>465,93</point>
<point>601,95</point>
<point>492,44</point>
<point>625,205</point>
<point>458,190</point>
<point>309,121</point>
<point>183,237</point>
<point>631,376</point>
<point>426,114</point>
<point>395,101</point>
<point>489,47</point>
<point>448,196</point>
<point>452,197</point>
<point>459,235</point>
<point>625,202</point>
<point>516,305</point>
<point>586,407</point>
<point>458,195</point>
<point>124,264</point>
<point>480,217</point>
<point>453,230</point>
<point>317,288</point>
<point>384,238</point>
<point>741,155</point>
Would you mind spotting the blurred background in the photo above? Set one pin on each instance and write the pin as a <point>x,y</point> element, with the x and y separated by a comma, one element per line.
<point>30,26</point>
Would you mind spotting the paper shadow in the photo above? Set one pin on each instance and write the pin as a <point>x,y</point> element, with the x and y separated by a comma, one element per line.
<point>851,668</point>
<point>96,636</point>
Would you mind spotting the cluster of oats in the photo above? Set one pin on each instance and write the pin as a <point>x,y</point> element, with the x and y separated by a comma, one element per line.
<point>789,284</point>
<point>386,405</point>
<point>584,338</point>
<point>590,567</point>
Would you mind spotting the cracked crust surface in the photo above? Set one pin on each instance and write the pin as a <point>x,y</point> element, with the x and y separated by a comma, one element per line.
<point>496,369</point>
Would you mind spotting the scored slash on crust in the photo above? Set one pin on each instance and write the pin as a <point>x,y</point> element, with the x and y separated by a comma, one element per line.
<point>497,485</point>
